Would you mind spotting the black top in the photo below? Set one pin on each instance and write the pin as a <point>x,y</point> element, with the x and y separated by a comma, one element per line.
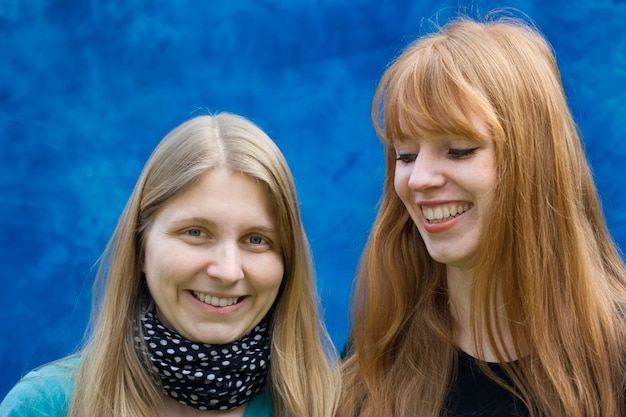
<point>473,394</point>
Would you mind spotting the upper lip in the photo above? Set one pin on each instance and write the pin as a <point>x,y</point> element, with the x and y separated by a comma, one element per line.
<point>433,203</point>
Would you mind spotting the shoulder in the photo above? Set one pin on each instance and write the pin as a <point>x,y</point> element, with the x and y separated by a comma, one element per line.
<point>46,391</point>
<point>260,405</point>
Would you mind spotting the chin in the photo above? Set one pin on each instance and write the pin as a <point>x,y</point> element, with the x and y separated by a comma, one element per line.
<point>450,259</point>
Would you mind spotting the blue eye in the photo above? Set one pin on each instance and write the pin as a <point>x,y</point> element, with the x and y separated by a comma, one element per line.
<point>194,232</point>
<point>454,153</point>
<point>257,240</point>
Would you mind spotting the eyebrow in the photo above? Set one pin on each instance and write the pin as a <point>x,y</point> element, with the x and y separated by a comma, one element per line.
<point>207,222</point>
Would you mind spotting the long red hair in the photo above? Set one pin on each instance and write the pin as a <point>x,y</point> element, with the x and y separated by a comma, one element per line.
<point>549,253</point>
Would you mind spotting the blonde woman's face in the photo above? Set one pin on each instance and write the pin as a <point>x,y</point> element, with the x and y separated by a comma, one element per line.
<point>447,185</point>
<point>212,258</point>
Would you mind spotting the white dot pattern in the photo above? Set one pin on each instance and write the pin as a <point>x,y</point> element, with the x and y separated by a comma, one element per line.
<point>204,376</point>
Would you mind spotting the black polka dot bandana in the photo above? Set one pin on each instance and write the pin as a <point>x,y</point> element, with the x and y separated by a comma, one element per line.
<point>204,376</point>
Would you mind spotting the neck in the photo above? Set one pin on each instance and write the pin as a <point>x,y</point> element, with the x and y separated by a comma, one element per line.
<point>216,377</point>
<point>460,298</point>
<point>172,408</point>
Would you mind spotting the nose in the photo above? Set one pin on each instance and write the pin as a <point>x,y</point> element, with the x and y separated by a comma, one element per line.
<point>426,173</point>
<point>225,263</point>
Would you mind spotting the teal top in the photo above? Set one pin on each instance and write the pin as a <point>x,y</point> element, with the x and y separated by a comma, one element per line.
<point>47,392</point>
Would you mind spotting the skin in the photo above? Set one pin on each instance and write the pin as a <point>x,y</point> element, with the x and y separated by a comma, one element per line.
<point>217,239</point>
<point>447,185</point>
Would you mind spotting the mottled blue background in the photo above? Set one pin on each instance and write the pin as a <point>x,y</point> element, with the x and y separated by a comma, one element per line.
<point>88,88</point>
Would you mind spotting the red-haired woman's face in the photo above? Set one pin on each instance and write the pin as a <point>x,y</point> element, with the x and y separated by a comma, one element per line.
<point>447,185</point>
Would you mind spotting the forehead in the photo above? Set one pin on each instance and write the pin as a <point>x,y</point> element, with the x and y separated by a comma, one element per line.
<point>413,126</point>
<point>221,193</point>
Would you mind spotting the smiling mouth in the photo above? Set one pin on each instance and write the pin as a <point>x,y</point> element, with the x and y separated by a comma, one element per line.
<point>444,212</point>
<point>216,301</point>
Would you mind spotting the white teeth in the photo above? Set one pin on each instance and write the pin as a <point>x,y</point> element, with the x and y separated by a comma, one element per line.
<point>444,212</point>
<point>215,301</point>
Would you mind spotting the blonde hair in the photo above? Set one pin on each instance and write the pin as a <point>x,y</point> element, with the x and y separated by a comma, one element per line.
<point>549,252</point>
<point>112,379</point>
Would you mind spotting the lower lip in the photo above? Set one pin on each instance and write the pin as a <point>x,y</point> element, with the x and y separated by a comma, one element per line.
<point>440,227</point>
<point>211,309</point>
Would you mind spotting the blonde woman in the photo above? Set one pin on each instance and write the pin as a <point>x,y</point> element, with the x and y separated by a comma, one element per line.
<point>490,285</point>
<point>208,304</point>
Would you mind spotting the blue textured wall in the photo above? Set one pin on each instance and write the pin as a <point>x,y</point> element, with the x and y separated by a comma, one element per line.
<point>87,89</point>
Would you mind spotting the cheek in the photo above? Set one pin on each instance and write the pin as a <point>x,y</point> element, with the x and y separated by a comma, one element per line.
<point>488,186</point>
<point>164,264</point>
<point>153,261</point>
<point>489,172</point>
<point>276,276</point>
<point>269,274</point>
<point>400,184</point>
